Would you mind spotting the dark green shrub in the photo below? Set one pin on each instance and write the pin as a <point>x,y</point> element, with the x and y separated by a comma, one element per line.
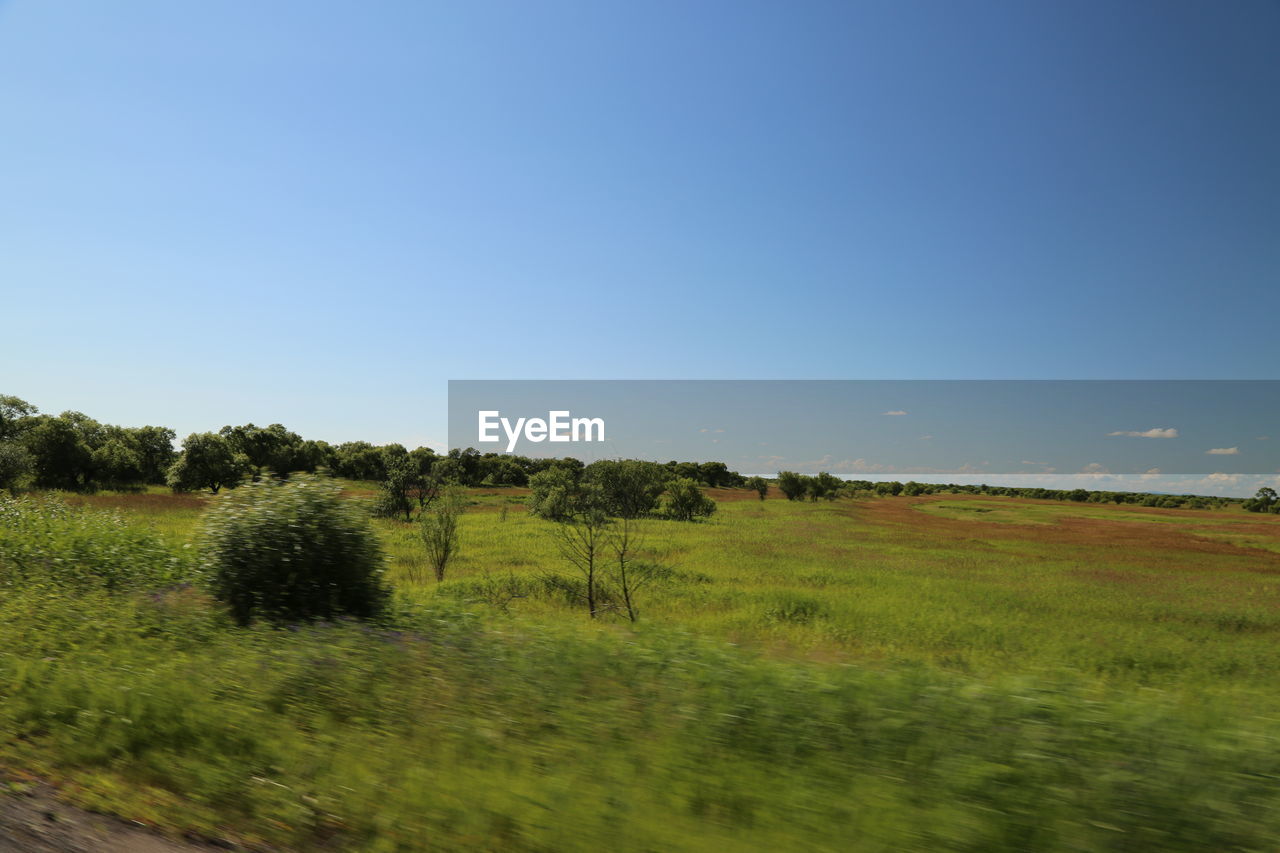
<point>293,551</point>
<point>555,494</point>
<point>628,488</point>
<point>685,501</point>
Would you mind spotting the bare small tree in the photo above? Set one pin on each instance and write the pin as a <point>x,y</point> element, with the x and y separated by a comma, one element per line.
<point>439,528</point>
<point>625,541</point>
<point>582,542</point>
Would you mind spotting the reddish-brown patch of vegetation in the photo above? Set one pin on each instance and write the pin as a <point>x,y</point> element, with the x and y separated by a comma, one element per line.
<point>146,502</point>
<point>1135,538</point>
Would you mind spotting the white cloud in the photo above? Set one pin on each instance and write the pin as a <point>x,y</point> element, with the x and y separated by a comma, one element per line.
<point>926,437</point>
<point>895,412</point>
<point>1155,432</point>
<point>1094,468</point>
<point>1224,451</point>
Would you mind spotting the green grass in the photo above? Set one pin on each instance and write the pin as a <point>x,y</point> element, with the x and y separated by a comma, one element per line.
<point>873,675</point>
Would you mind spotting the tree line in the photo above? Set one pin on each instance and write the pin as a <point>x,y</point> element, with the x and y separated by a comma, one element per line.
<point>73,452</point>
<point>825,486</point>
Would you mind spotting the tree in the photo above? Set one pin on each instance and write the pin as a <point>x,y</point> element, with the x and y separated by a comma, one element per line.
<point>1265,500</point>
<point>439,530</point>
<point>624,541</point>
<point>15,416</point>
<point>117,465</point>
<point>402,484</point>
<point>685,501</point>
<point>505,471</point>
<point>62,457</point>
<point>793,485</point>
<point>358,460</point>
<point>759,485</point>
<point>824,485</point>
<point>629,488</point>
<point>555,494</point>
<point>716,474</point>
<point>154,447</point>
<point>206,462</point>
<point>582,538</point>
<point>272,448</point>
<point>15,463</point>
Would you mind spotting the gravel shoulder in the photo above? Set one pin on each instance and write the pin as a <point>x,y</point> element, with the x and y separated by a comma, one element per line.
<point>34,820</point>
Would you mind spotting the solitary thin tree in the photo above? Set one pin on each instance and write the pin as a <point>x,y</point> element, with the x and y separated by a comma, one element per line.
<point>439,528</point>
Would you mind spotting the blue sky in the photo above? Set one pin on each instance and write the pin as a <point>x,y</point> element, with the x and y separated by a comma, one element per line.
<point>318,213</point>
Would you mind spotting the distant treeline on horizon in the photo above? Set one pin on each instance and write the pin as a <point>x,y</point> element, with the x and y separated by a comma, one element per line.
<point>74,452</point>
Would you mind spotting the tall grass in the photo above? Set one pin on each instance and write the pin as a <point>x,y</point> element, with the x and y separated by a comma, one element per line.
<point>894,682</point>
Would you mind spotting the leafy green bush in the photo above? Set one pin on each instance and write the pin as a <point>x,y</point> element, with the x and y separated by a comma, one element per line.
<point>628,488</point>
<point>293,551</point>
<point>555,494</point>
<point>43,540</point>
<point>685,501</point>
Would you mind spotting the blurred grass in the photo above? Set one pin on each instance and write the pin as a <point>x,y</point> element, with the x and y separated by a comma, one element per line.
<point>807,676</point>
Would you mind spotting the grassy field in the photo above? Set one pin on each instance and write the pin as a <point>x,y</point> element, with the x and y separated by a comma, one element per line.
<point>934,673</point>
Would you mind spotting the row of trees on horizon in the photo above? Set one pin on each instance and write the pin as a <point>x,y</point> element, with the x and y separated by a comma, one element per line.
<point>74,452</point>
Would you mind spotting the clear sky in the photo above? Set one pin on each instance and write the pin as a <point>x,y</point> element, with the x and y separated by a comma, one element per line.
<point>316,213</point>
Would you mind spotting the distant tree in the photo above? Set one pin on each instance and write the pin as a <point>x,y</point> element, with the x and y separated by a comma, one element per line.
<point>206,462</point>
<point>15,416</point>
<point>824,485</point>
<point>759,485</point>
<point>467,470</point>
<point>358,460</point>
<point>63,458</point>
<point>686,502</point>
<point>154,447</point>
<point>424,460</point>
<point>792,485</point>
<point>1265,500</point>
<point>272,448</point>
<point>117,465</point>
<point>397,492</point>
<point>555,494</point>
<point>449,469</point>
<point>15,464</point>
<point>505,471</point>
<point>629,488</point>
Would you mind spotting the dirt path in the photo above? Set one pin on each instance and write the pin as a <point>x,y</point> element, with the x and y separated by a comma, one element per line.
<point>35,821</point>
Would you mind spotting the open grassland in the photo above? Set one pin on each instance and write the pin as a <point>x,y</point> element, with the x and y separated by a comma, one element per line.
<point>940,673</point>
